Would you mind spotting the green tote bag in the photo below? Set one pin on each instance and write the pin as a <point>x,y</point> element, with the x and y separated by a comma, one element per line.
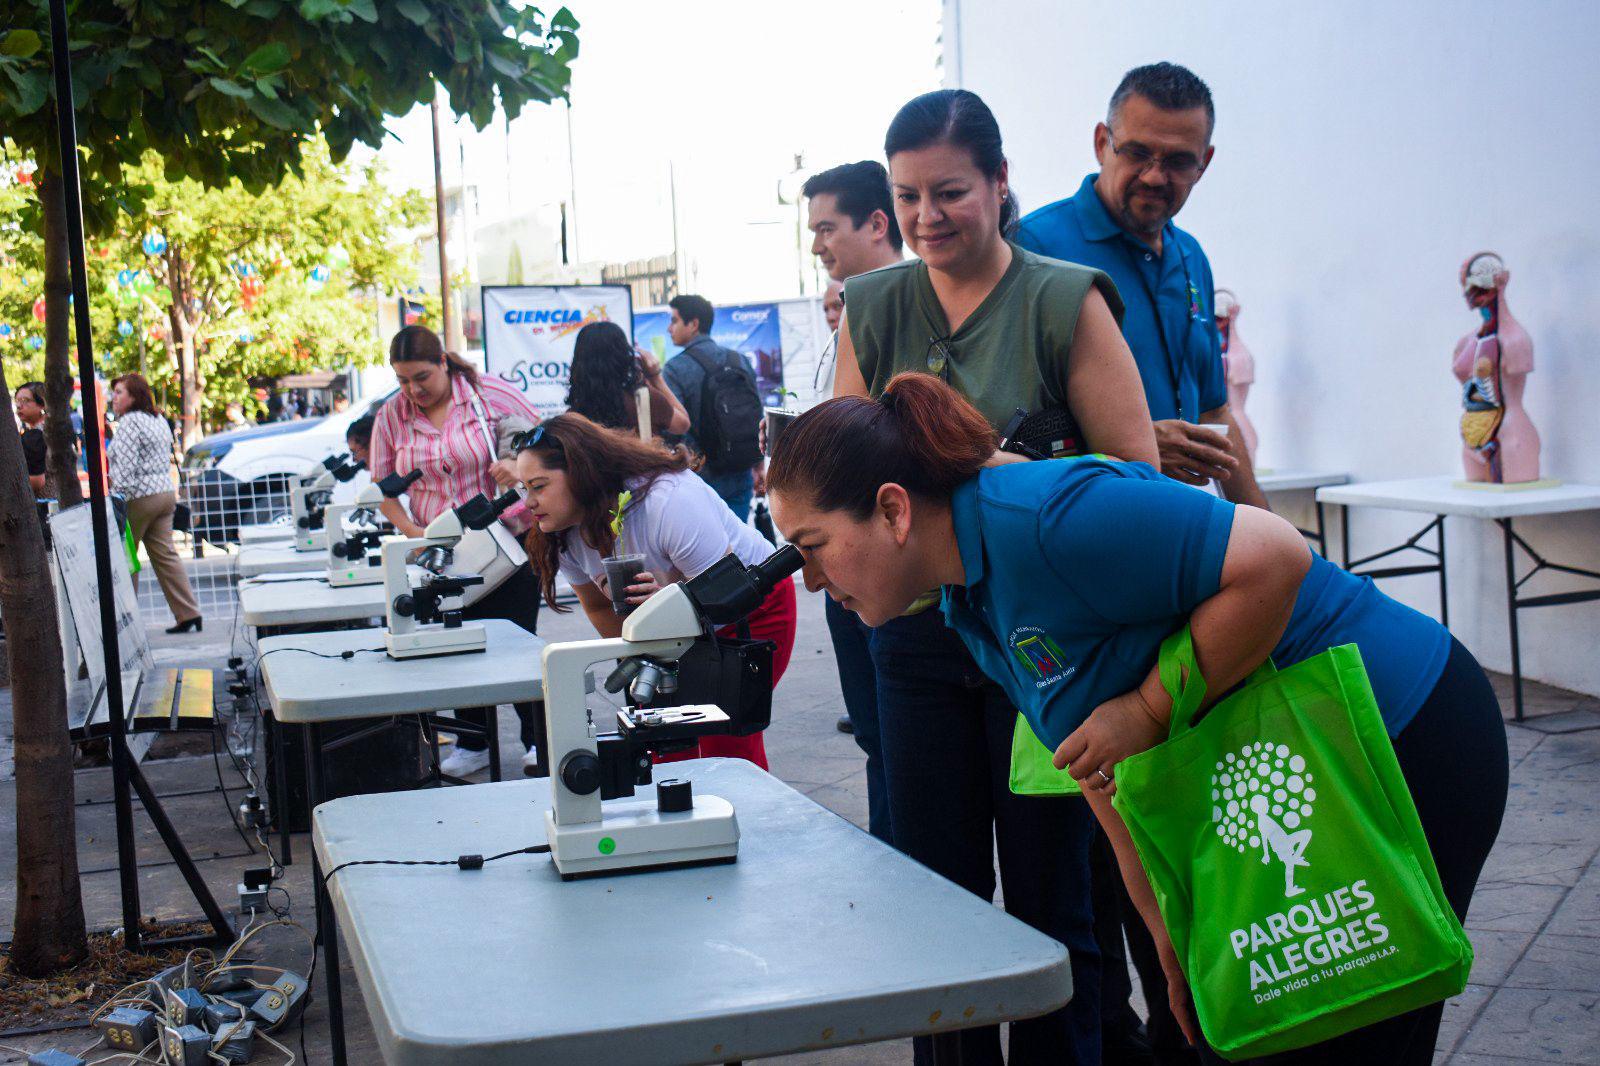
<point>1287,857</point>
<point>1032,771</point>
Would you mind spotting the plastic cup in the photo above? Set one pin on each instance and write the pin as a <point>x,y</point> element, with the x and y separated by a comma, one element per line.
<point>620,572</point>
<point>1216,427</point>
<point>777,421</point>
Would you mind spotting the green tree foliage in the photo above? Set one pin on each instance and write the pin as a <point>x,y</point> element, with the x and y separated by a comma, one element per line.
<point>227,89</point>
<point>245,264</point>
<point>220,90</point>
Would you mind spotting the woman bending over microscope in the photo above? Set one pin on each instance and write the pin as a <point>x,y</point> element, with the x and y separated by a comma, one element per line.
<point>574,473</point>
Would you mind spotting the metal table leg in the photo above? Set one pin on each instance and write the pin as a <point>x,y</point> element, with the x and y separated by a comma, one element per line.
<point>280,789</point>
<point>946,1049</point>
<point>1515,603</point>
<point>1410,544</point>
<point>327,923</point>
<point>1511,612</point>
<point>492,728</point>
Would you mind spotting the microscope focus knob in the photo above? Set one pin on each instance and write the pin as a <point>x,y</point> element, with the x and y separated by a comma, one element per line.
<point>339,550</point>
<point>580,772</point>
<point>404,605</point>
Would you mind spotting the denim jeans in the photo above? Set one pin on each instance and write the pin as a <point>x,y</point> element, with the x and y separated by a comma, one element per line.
<point>946,733</point>
<point>858,680</point>
<point>736,489</point>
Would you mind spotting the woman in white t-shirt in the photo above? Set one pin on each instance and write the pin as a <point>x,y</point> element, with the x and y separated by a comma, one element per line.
<point>572,472</point>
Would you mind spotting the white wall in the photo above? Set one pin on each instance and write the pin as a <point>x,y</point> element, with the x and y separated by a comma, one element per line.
<point>1363,151</point>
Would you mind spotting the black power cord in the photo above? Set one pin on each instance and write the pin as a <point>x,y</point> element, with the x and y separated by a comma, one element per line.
<point>464,862</point>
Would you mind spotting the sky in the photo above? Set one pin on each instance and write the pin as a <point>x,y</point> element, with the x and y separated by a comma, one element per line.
<point>714,97</point>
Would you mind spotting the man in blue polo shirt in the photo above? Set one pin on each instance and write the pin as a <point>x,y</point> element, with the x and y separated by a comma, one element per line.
<point>1153,147</point>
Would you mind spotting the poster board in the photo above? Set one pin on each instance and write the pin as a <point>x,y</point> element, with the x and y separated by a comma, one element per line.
<point>72,540</point>
<point>529,332</point>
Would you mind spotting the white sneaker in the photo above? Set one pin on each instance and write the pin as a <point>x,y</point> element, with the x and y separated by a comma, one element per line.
<point>530,763</point>
<point>461,762</point>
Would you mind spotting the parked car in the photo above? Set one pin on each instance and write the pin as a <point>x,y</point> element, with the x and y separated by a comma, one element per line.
<point>242,477</point>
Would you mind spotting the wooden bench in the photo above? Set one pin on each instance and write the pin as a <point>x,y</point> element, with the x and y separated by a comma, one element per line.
<point>163,700</point>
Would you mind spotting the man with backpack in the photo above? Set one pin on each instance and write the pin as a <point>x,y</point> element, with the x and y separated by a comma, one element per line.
<point>718,388</point>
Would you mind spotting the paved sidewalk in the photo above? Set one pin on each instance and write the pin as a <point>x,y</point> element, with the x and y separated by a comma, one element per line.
<point>1535,992</point>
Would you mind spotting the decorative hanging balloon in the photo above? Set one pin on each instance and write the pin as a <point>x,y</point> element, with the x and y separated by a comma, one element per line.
<point>244,270</point>
<point>143,283</point>
<point>154,243</point>
<point>125,277</point>
<point>125,328</point>
<point>156,331</point>
<point>36,342</point>
<point>24,176</point>
<point>38,309</point>
<point>339,257</point>
<point>245,336</point>
<point>320,273</point>
<point>5,329</point>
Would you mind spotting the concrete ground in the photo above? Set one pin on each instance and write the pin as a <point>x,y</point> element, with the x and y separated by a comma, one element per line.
<point>1535,922</point>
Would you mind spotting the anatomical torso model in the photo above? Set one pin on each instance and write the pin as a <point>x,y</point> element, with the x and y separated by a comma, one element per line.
<point>1492,363</point>
<point>1238,364</point>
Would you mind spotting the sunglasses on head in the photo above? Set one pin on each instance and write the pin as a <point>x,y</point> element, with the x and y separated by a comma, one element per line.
<point>532,438</point>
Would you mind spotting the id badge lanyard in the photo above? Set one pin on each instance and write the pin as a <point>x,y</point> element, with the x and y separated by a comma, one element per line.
<point>1195,314</point>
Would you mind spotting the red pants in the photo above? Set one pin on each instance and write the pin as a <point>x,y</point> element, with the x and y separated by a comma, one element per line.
<point>774,620</point>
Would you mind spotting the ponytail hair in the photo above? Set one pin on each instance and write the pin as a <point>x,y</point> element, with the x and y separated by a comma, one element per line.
<point>421,344</point>
<point>921,434</point>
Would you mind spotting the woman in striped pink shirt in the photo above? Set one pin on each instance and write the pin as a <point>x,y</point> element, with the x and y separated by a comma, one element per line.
<point>441,423</point>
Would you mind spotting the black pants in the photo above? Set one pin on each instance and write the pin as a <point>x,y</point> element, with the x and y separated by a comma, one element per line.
<point>1453,755</point>
<point>516,600</point>
<point>946,732</point>
<point>1114,916</point>
<point>858,682</point>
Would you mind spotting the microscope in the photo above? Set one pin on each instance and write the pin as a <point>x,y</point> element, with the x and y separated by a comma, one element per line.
<point>464,553</point>
<point>352,555</point>
<point>308,499</point>
<point>668,642</point>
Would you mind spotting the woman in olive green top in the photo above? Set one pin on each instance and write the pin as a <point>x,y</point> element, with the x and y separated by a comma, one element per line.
<point>1009,330</point>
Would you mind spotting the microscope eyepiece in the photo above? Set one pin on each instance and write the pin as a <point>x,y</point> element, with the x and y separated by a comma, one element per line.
<point>729,590</point>
<point>395,484</point>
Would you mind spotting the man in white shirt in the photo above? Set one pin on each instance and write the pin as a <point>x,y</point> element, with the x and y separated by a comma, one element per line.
<point>854,231</point>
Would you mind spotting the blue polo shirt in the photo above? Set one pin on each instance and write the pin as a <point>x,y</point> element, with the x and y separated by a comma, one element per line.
<point>1168,321</point>
<point>1077,569</point>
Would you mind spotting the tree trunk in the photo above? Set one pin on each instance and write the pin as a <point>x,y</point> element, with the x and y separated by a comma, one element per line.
<point>58,434</point>
<point>190,386</point>
<point>49,932</point>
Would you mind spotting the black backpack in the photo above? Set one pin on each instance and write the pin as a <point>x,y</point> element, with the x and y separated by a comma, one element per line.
<point>730,416</point>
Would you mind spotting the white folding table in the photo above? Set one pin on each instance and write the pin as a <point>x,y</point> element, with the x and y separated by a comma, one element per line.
<point>1271,481</point>
<point>272,601</point>
<point>1441,496</point>
<point>267,533</point>
<point>278,558</point>
<point>310,683</point>
<point>818,936</point>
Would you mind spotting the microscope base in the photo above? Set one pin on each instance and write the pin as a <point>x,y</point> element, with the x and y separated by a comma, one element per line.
<point>347,576</point>
<point>435,640</point>
<point>635,837</point>
<point>316,541</point>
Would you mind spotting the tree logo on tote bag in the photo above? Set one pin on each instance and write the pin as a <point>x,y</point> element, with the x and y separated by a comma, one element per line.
<point>1262,796</point>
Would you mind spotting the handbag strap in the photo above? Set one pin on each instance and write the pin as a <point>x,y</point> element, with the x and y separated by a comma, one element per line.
<point>1180,676</point>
